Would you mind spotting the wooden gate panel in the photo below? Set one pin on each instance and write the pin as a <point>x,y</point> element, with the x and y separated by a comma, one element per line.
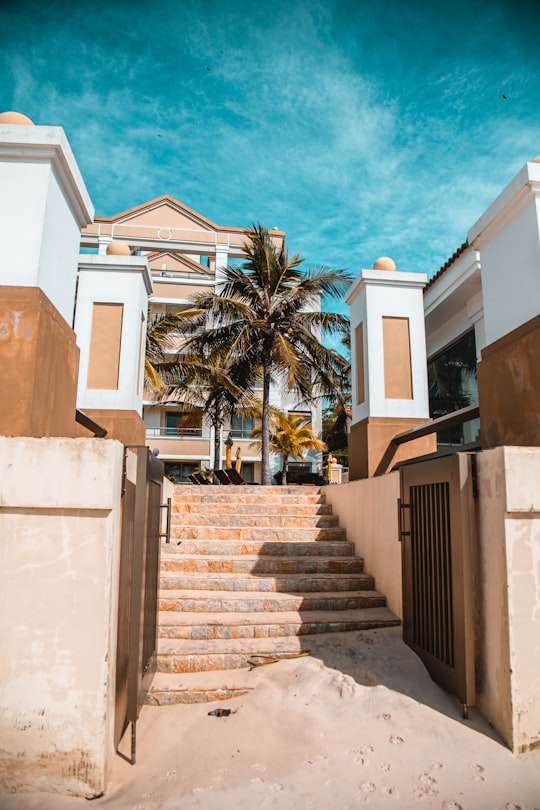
<point>437,519</point>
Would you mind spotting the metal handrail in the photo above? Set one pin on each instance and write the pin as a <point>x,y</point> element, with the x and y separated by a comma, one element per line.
<point>83,419</point>
<point>174,433</point>
<point>441,423</point>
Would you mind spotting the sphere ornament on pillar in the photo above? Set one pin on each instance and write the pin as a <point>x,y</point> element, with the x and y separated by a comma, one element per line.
<point>12,117</point>
<point>384,263</point>
<point>536,159</point>
<point>118,248</point>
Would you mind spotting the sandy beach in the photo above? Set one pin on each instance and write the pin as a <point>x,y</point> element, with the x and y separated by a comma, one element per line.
<point>357,723</point>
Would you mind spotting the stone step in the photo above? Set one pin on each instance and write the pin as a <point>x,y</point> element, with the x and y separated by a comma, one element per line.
<point>169,688</point>
<point>259,520</point>
<point>247,495</point>
<point>183,508</point>
<point>249,602</point>
<point>263,564</point>
<point>215,654</point>
<point>173,625</point>
<point>275,548</point>
<point>253,533</point>
<point>253,583</point>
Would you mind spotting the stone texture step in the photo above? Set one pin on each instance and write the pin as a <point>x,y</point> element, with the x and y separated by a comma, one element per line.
<point>260,520</point>
<point>183,508</point>
<point>248,602</point>
<point>266,534</point>
<point>254,583</point>
<point>199,687</point>
<point>270,625</point>
<point>216,654</point>
<point>263,564</point>
<point>274,548</point>
<point>246,495</point>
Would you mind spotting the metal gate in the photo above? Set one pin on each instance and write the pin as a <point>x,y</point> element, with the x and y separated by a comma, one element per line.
<point>436,530</point>
<point>138,587</point>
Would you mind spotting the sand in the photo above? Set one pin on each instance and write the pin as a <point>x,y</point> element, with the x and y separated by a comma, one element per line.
<point>358,723</point>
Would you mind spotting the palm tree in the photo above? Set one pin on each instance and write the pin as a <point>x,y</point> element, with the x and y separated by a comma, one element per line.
<point>290,436</point>
<point>216,391</point>
<point>266,313</point>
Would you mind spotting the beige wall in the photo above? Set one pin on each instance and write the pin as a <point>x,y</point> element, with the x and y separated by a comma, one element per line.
<point>508,593</point>
<point>368,510</point>
<point>60,531</point>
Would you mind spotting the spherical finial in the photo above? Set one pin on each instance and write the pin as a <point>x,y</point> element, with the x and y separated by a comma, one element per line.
<point>536,159</point>
<point>11,117</point>
<point>117,248</point>
<point>384,263</point>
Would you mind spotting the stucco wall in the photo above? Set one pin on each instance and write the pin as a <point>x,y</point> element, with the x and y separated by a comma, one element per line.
<point>508,593</point>
<point>59,545</point>
<point>368,510</point>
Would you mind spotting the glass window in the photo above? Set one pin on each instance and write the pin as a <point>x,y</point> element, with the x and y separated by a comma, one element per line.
<point>179,471</point>
<point>241,426</point>
<point>453,385</point>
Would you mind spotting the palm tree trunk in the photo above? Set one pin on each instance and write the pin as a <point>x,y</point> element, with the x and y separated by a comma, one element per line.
<point>284,469</point>
<point>265,427</point>
<point>218,424</point>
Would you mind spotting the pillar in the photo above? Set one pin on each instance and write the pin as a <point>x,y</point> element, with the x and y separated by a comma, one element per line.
<point>110,323</point>
<point>43,206</point>
<point>389,368</point>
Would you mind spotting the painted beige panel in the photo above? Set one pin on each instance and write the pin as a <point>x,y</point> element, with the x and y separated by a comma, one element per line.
<point>359,348</point>
<point>198,448</point>
<point>179,290</point>
<point>164,216</point>
<point>397,358</point>
<point>105,343</point>
<point>58,613</point>
<point>368,511</point>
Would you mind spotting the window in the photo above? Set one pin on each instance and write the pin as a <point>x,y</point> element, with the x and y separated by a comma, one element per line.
<point>453,385</point>
<point>241,426</point>
<point>191,425</point>
<point>179,471</point>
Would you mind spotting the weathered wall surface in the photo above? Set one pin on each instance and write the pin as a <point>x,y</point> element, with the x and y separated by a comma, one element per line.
<point>368,510</point>
<point>508,593</point>
<point>59,548</point>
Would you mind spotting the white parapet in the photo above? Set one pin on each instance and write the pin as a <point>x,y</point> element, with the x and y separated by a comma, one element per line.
<point>43,206</point>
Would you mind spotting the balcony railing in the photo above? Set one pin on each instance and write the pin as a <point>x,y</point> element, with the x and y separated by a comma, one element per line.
<point>174,433</point>
<point>241,434</point>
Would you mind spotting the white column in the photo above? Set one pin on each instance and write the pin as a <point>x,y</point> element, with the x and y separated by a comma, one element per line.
<point>222,259</point>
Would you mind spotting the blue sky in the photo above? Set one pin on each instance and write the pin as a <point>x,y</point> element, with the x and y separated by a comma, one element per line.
<point>360,128</point>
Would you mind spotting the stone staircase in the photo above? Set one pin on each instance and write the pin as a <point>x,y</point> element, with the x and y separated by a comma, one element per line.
<point>250,573</point>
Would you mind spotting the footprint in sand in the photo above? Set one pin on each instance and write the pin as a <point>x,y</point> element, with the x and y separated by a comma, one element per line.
<point>368,787</point>
<point>277,786</point>
<point>389,791</point>
<point>259,766</point>
<point>170,774</point>
<point>366,749</point>
<point>384,766</point>
<point>451,805</point>
<point>512,806</point>
<point>478,772</point>
<point>257,781</point>
<point>426,785</point>
<point>384,716</point>
<point>395,740</point>
<point>437,766</point>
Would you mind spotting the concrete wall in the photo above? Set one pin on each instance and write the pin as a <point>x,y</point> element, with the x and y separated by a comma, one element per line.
<point>508,593</point>
<point>368,510</point>
<point>58,612</point>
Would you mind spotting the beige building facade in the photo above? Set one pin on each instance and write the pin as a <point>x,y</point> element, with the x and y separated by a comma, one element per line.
<point>185,251</point>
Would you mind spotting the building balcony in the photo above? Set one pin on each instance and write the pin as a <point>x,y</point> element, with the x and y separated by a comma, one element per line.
<point>174,433</point>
